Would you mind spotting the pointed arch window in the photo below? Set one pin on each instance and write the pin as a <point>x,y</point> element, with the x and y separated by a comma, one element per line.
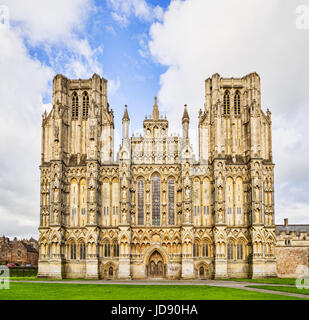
<point>226,102</point>
<point>205,249</point>
<point>240,251</point>
<point>171,201</point>
<point>156,200</point>
<point>85,104</point>
<point>107,249</point>
<point>230,254</point>
<point>116,249</point>
<point>82,253</point>
<point>140,202</point>
<point>237,103</point>
<point>74,106</point>
<point>73,251</point>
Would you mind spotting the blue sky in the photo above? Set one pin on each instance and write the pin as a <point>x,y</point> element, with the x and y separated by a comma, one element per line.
<point>120,60</point>
<point>147,49</point>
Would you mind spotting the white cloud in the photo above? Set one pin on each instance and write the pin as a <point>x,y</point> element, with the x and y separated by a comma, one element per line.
<point>121,19</point>
<point>50,26</point>
<point>82,60</point>
<point>113,86</point>
<point>158,12</point>
<point>124,9</point>
<point>111,30</point>
<point>49,21</point>
<point>22,84</point>
<point>234,37</point>
<point>143,43</point>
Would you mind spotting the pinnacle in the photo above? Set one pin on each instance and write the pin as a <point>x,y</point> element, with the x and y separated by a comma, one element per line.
<point>125,115</point>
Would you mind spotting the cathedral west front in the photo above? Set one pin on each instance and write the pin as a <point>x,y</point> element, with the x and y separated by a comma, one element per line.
<point>156,212</point>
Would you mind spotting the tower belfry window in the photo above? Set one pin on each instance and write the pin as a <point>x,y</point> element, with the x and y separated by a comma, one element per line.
<point>74,106</point>
<point>237,103</point>
<point>226,102</point>
<point>85,104</point>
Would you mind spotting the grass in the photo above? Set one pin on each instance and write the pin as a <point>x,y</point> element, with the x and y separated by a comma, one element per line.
<point>288,281</point>
<point>283,289</point>
<point>25,278</point>
<point>55,291</point>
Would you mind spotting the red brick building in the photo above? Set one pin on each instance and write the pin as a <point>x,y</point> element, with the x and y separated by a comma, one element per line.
<point>20,252</point>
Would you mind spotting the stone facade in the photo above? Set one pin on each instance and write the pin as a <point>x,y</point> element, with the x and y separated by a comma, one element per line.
<point>19,252</point>
<point>156,212</point>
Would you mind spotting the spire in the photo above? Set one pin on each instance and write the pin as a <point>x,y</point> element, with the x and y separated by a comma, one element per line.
<point>155,113</point>
<point>125,115</point>
<point>185,117</point>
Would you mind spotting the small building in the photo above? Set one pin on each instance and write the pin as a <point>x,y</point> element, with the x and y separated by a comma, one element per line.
<point>20,252</point>
<point>292,249</point>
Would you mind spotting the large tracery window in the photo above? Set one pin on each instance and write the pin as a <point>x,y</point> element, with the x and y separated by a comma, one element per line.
<point>171,201</point>
<point>237,103</point>
<point>75,106</point>
<point>156,200</point>
<point>85,104</point>
<point>140,202</point>
<point>226,102</point>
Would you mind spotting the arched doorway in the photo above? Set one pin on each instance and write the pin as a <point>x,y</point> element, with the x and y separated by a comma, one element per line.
<point>156,268</point>
<point>111,272</point>
<point>203,272</point>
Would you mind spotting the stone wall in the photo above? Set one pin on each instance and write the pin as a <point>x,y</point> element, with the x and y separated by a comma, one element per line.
<point>289,258</point>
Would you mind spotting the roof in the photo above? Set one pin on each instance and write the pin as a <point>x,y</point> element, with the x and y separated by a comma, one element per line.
<point>298,228</point>
<point>29,247</point>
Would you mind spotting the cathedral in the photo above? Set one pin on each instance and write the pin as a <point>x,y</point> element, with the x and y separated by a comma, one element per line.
<point>153,211</point>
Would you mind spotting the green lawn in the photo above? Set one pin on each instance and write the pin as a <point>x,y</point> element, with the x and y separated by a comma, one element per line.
<point>55,291</point>
<point>289,281</point>
<point>283,289</point>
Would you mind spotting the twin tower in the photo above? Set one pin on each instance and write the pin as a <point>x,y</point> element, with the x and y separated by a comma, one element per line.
<point>156,212</point>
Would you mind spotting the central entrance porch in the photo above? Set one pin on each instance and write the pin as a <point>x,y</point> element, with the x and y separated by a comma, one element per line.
<point>156,269</point>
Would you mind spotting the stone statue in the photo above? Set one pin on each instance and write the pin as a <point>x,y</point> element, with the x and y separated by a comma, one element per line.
<point>187,192</point>
<point>92,133</point>
<point>56,133</point>
<point>220,194</point>
<point>124,195</point>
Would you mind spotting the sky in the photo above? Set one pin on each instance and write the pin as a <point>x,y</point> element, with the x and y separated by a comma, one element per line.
<point>147,49</point>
